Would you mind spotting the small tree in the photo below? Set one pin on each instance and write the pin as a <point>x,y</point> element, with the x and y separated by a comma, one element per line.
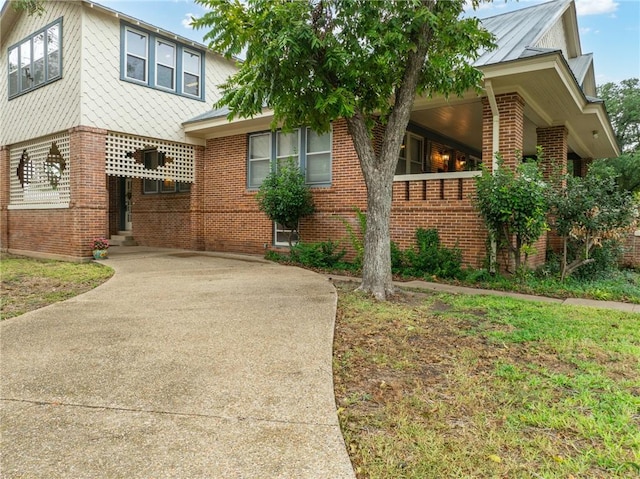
<point>285,198</point>
<point>513,205</point>
<point>587,212</point>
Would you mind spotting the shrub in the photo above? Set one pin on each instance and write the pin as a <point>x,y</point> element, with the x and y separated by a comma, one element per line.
<point>430,258</point>
<point>324,254</point>
<point>285,198</point>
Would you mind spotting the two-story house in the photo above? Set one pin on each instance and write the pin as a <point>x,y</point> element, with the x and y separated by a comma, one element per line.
<point>107,125</point>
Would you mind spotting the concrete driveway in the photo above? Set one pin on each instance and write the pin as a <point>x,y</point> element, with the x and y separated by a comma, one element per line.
<point>183,365</point>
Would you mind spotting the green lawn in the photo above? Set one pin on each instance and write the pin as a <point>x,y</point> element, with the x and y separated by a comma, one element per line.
<point>29,284</point>
<point>450,386</point>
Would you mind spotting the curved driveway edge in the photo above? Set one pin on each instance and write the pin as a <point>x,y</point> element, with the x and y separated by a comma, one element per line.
<point>183,365</point>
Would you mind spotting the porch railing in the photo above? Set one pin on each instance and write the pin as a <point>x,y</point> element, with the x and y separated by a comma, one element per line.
<point>434,186</point>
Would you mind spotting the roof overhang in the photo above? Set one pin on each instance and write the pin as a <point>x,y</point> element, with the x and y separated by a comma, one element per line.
<point>552,98</point>
<point>221,126</point>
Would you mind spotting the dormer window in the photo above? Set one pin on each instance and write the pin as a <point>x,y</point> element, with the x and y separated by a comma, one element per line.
<point>157,62</point>
<point>36,60</point>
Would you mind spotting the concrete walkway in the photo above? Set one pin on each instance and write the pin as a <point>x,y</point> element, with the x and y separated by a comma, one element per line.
<point>183,365</point>
<point>453,289</point>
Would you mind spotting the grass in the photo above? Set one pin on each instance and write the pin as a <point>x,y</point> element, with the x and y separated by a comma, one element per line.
<point>471,386</point>
<point>29,284</point>
<point>623,285</point>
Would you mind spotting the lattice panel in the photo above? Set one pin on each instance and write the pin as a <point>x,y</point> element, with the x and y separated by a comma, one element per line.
<point>40,173</point>
<point>123,158</point>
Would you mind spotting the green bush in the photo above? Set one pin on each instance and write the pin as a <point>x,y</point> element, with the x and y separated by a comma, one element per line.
<point>430,258</point>
<point>324,254</point>
<point>606,260</point>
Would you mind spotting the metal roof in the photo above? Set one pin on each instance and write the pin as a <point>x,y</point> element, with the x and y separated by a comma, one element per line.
<point>580,66</point>
<point>516,31</point>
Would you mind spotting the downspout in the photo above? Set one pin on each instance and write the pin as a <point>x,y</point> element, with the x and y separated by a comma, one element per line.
<point>495,147</point>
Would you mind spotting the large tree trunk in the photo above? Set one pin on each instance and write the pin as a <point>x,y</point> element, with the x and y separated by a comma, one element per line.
<point>378,170</point>
<point>378,175</point>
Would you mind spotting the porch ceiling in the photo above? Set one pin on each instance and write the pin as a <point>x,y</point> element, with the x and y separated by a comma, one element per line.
<point>552,98</point>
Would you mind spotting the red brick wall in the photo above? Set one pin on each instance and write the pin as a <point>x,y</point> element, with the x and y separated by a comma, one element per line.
<point>232,221</point>
<point>64,232</point>
<point>632,250</point>
<point>553,141</point>
<point>511,112</point>
<point>160,220</point>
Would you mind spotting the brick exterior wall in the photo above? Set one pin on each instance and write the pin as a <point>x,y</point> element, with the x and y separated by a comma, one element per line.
<point>632,250</point>
<point>232,221</point>
<point>220,213</point>
<point>64,233</point>
<point>160,220</point>
<point>511,112</point>
<point>555,149</point>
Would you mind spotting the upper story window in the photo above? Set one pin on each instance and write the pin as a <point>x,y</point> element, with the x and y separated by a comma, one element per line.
<point>159,63</point>
<point>309,149</point>
<point>36,60</point>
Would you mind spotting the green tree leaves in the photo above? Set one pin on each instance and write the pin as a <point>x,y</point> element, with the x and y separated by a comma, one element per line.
<point>284,197</point>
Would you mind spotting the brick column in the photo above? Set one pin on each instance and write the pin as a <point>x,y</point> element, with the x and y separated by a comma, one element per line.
<point>553,141</point>
<point>511,112</point>
<point>197,192</point>
<point>5,183</point>
<point>89,190</point>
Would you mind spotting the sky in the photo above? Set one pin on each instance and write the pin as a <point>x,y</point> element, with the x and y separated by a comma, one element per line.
<point>610,29</point>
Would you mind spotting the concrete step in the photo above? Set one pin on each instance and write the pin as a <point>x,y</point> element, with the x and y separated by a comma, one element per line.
<point>123,238</point>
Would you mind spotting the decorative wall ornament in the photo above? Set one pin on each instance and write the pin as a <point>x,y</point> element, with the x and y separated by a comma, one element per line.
<point>54,166</point>
<point>42,173</point>
<point>24,170</point>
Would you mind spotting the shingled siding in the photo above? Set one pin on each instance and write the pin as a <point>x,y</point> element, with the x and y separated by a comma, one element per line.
<point>232,221</point>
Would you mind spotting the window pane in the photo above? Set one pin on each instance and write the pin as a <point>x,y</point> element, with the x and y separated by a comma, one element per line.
<point>319,168</point>
<point>53,51</point>
<point>13,71</point>
<point>316,142</point>
<point>287,144</point>
<point>259,146</point>
<point>416,150</point>
<point>150,186</point>
<point>191,62</point>
<point>191,84</point>
<point>184,187</point>
<point>164,77</point>
<point>13,83</point>
<point>401,167</point>
<point>258,171</point>
<point>168,186</point>
<point>136,44</point>
<point>166,54</point>
<point>38,59</point>
<point>136,68</point>
<point>13,59</point>
<point>25,65</point>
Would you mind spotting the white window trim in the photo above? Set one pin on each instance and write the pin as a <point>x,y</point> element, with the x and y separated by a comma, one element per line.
<point>198,73</point>
<point>282,229</point>
<point>173,66</point>
<point>126,54</point>
<point>406,152</point>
